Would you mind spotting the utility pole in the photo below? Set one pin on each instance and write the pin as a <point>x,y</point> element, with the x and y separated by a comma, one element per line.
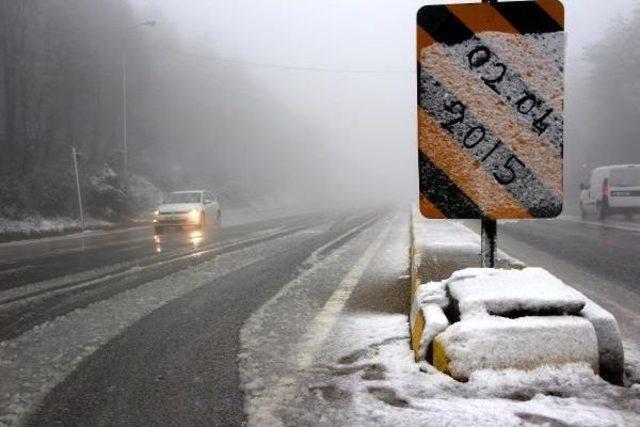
<point>125,170</point>
<point>74,153</point>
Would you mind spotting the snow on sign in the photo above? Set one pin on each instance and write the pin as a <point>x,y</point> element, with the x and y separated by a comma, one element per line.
<point>490,105</point>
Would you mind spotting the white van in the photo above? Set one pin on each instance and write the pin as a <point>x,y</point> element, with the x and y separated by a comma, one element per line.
<point>611,190</point>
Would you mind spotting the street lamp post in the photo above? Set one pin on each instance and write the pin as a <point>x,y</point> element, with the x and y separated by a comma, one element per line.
<point>125,170</point>
<point>125,160</point>
<point>75,154</point>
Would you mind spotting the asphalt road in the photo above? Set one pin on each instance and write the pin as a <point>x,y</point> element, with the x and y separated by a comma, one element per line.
<point>176,365</point>
<point>67,273</point>
<point>120,328</point>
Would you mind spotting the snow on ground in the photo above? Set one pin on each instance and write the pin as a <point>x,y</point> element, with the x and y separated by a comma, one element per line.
<point>276,346</point>
<point>33,363</point>
<point>37,224</point>
<point>454,236</point>
<point>386,387</point>
<point>364,372</point>
<point>374,381</point>
<point>632,362</point>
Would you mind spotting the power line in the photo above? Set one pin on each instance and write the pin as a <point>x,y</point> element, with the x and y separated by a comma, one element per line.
<point>292,67</point>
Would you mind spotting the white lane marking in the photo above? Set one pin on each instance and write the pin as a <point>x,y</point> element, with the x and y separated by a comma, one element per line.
<point>617,226</point>
<point>35,362</point>
<point>325,320</point>
<point>316,333</point>
<point>311,261</point>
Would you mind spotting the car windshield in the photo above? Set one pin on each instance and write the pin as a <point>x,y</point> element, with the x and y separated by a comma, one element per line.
<point>193,197</point>
<point>628,177</point>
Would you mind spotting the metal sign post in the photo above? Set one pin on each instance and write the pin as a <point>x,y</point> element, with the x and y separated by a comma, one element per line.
<point>490,112</point>
<point>488,242</point>
<point>488,228</point>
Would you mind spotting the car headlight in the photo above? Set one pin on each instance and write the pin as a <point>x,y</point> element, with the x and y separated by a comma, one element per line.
<point>194,215</point>
<point>156,213</point>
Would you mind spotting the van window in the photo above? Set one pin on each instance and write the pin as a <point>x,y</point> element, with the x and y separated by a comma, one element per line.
<point>628,177</point>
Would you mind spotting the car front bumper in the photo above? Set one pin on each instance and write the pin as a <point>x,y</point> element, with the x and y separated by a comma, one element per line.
<point>176,220</point>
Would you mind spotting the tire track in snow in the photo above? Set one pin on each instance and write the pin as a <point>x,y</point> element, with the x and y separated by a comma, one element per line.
<point>33,363</point>
<point>260,407</point>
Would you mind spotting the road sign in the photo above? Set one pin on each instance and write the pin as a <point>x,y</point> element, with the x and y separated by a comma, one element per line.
<point>490,109</point>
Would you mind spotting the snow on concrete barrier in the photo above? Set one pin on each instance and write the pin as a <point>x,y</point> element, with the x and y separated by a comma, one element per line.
<point>512,293</point>
<point>610,350</point>
<point>439,248</point>
<point>425,333</point>
<point>523,343</point>
<point>522,318</point>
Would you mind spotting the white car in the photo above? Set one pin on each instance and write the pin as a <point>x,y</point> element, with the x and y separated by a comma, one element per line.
<point>611,190</point>
<point>187,209</point>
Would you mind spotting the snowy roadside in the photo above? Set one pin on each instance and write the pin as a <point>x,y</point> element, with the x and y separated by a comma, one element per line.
<point>387,387</point>
<point>280,341</point>
<point>36,227</point>
<point>364,371</point>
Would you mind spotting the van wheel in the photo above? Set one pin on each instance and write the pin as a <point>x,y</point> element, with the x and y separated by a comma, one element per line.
<point>601,209</point>
<point>583,213</point>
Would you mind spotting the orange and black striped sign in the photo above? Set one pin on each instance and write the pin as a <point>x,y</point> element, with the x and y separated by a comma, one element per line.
<point>490,109</point>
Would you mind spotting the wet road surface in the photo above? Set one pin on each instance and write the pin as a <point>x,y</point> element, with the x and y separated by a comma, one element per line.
<point>175,364</point>
<point>121,328</point>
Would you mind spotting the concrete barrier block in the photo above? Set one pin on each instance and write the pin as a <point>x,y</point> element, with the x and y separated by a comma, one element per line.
<point>511,293</point>
<point>523,343</point>
<point>429,322</point>
<point>510,304</point>
<point>610,349</point>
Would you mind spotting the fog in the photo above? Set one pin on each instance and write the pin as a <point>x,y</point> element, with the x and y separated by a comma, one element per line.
<point>294,103</point>
<point>320,101</point>
<point>339,77</point>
